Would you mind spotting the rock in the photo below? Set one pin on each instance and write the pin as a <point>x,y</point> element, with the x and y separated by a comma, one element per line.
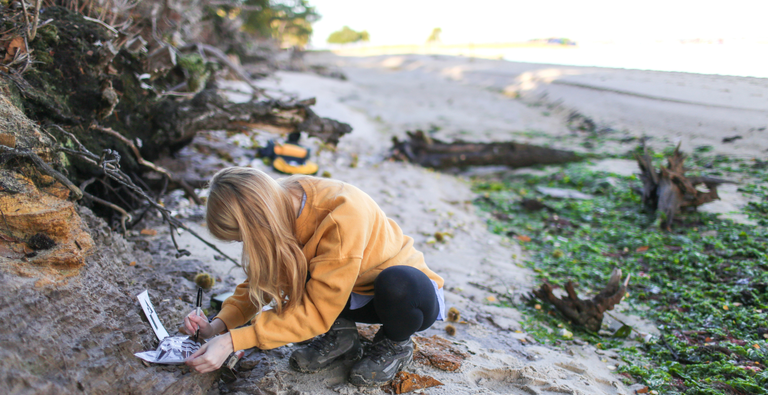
<point>75,330</point>
<point>563,193</point>
<point>32,215</point>
<point>406,382</point>
<point>438,352</point>
<point>367,332</point>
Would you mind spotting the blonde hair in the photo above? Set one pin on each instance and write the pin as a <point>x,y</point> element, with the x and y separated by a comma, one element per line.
<point>247,205</point>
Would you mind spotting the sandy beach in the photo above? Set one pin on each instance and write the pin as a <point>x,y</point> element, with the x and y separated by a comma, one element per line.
<point>114,119</point>
<point>473,100</point>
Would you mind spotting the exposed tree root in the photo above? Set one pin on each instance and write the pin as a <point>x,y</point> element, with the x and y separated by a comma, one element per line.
<point>586,313</point>
<point>429,152</point>
<point>177,122</point>
<point>110,166</point>
<point>668,189</point>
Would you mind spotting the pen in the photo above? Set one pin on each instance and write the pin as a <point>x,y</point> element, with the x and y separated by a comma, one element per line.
<point>198,309</point>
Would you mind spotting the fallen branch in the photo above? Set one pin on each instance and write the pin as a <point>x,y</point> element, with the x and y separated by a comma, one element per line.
<point>133,148</point>
<point>429,152</point>
<point>586,313</point>
<point>180,181</point>
<point>668,189</point>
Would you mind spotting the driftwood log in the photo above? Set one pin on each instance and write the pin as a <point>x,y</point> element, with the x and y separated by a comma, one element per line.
<point>429,152</point>
<point>586,313</point>
<point>668,189</point>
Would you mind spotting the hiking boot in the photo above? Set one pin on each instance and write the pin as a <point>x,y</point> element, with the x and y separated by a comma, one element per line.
<point>382,361</point>
<point>341,341</point>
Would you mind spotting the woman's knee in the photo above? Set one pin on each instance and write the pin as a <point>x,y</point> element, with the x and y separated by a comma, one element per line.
<point>400,280</point>
<point>402,283</point>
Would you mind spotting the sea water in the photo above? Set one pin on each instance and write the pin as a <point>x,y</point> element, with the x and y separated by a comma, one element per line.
<point>735,59</point>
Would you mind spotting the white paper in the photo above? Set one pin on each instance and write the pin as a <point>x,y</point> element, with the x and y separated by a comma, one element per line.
<point>154,320</point>
<point>171,351</point>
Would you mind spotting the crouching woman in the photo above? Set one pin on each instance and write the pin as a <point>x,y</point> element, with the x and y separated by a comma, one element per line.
<point>324,256</point>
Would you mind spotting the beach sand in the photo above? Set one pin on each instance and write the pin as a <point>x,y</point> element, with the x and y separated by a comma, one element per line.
<point>483,100</point>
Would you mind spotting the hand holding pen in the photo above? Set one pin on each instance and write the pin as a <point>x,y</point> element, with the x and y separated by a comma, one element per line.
<point>198,324</point>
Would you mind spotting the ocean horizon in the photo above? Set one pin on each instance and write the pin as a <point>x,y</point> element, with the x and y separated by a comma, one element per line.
<point>739,59</point>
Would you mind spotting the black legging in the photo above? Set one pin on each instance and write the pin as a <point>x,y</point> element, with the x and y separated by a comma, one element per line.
<point>404,302</point>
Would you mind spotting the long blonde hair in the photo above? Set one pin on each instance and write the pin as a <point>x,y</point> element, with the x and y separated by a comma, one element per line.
<point>247,205</point>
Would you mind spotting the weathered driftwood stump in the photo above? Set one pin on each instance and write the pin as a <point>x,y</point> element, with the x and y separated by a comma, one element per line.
<point>668,189</point>
<point>429,152</point>
<point>586,313</point>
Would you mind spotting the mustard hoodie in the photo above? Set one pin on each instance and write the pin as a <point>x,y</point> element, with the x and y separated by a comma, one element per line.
<point>347,241</point>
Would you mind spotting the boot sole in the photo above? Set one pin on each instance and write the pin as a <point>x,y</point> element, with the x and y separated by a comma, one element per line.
<point>351,355</point>
<point>361,381</point>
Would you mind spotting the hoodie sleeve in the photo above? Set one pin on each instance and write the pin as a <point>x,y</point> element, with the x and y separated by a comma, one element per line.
<point>333,272</point>
<point>238,308</point>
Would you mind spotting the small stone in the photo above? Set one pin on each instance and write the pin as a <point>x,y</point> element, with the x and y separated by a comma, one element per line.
<point>563,193</point>
<point>41,241</point>
<point>149,232</point>
<point>438,352</point>
<point>565,333</point>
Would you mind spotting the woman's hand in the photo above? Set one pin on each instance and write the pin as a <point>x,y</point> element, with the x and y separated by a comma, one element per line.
<point>207,330</point>
<point>211,355</point>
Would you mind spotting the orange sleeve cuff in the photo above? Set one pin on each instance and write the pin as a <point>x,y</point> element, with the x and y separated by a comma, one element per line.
<point>231,316</point>
<point>243,338</point>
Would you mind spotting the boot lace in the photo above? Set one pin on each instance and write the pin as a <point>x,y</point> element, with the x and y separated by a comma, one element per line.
<point>324,343</point>
<point>383,348</point>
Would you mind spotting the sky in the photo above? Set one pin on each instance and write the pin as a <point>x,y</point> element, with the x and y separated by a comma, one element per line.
<point>486,21</point>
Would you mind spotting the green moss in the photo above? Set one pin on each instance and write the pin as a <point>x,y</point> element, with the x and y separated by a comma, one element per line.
<point>10,91</point>
<point>196,70</point>
<point>705,283</point>
<point>49,34</point>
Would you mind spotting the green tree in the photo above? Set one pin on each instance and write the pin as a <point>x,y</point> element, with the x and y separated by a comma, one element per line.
<point>347,35</point>
<point>435,36</point>
<point>288,21</point>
